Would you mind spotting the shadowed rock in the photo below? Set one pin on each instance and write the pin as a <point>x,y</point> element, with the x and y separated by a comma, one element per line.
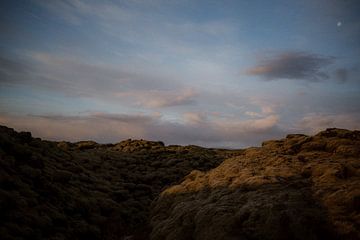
<point>299,187</point>
<point>86,190</point>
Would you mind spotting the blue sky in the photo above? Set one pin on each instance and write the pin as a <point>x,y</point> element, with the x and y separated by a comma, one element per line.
<point>213,73</point>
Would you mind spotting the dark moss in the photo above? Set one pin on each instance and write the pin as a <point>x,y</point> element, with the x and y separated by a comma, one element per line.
<point>85,190</point>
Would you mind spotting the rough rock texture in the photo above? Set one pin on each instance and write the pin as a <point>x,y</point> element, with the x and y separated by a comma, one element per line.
<point>300,187</point>
<point>86,190</point>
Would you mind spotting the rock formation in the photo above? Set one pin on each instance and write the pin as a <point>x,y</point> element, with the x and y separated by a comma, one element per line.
<point>300,187</point>
<point>86,190</point>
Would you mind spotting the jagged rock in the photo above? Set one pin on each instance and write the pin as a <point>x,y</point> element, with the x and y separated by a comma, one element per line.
<point>137,145</point>
<point>300,187</point>
<point>64,145</point>
<point>86,190</point>
<point>82,145</point>
<point>296,188</point>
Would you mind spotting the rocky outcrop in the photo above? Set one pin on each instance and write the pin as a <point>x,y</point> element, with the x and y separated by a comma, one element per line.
<point>86,190</point>
<point>300,187</point>
<point>138,145</point>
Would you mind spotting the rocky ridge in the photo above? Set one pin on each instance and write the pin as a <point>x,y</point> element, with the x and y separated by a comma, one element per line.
<point>300,187</point>
<point>86,190</point>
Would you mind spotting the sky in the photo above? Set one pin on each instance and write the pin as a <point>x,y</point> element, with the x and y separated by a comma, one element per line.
<point>211,73</point>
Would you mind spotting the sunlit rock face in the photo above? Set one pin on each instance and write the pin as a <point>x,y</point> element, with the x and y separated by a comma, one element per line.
<point>299,187</point>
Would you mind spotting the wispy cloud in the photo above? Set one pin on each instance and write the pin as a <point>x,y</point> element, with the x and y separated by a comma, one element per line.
<point>314,122</point>
<point>292,65</point>
<point>253,114</point>
<point>160,98</point>
<point>347,74</point>
<point>194,118</point>
<point>74,11</point>
<point>135,21</point>
<point>105,127</point>
<point>341,74</point>
<point>180,58</point>
<point>76,77</point>
<point>12,70</point>
<point>264,107</point>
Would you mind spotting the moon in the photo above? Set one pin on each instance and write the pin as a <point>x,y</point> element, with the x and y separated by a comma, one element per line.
<point>339,24</point>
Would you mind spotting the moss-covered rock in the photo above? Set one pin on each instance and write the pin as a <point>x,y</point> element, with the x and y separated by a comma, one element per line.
<point>299,187</point>
<point>86,190</point>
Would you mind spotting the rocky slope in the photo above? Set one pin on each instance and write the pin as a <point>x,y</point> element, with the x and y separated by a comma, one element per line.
<point>299,187</point>
<point>85,190</point>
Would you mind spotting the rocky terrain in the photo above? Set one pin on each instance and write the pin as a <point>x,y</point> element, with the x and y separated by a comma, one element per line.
<point>300,187</point>
<point>85,190</point>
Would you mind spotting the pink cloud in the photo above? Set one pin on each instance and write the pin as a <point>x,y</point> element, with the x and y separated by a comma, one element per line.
<point>197,128</point>
<point>316,122</point>
<point>158,98</point>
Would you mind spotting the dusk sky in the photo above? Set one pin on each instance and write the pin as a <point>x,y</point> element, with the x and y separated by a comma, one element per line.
<point>211,73</point>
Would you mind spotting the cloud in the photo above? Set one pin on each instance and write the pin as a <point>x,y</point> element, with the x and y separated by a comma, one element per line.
<point>253,114</point>
<point>341,75</point>
<point>194,118</point>
<point>234,128</point>
<point>315,122</point>
<point>75,77</point>
<point>102,127</point>
<point>169,99</point>
<point>147,28</point>
<point>12,70</point>
<point>63,74</point>
<point>81,77</point>
<point>74,12</point>
<point>347,74</point>
<point>292,65</point>
<point>196,128</point>
<point>266,106</point>
<point>123,118</point>
<point>160,98</point>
